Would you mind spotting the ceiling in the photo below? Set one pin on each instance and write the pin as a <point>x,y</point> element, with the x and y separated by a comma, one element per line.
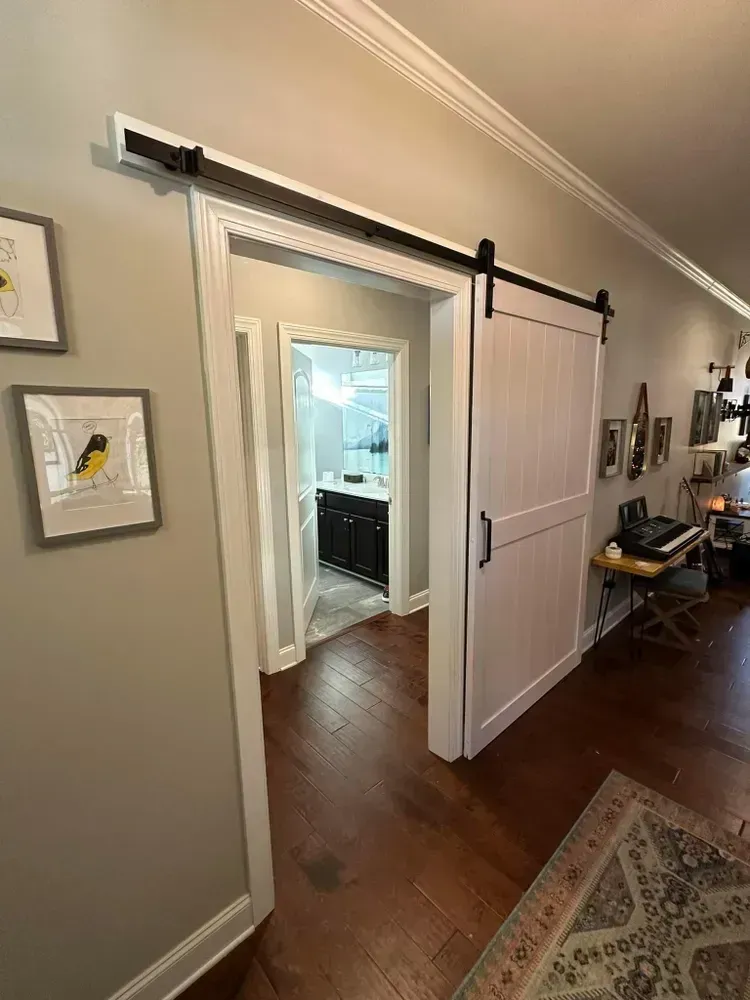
<point>650,98</point>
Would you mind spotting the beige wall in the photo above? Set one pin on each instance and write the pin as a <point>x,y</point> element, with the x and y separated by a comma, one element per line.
<point>275,294</point>
<point>120,817</point>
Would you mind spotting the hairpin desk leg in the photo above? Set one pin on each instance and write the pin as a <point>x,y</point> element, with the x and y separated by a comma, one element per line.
<point>608,584</point>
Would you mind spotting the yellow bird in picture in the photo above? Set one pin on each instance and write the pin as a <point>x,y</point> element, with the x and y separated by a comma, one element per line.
<point>92,459</point>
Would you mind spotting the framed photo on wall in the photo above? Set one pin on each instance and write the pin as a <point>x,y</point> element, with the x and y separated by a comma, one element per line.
<point>89,461</point>
<point>707,465</point>
<point>662,439</point>
<point>31,309</point>
<point>612,448</point>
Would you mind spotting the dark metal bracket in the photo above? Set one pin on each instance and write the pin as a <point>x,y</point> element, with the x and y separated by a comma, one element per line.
<point>486,264</point>
<point>194,163</point>
<point>602,300</point>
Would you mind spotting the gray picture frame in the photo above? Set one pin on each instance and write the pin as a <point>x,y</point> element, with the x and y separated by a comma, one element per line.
<point>19,392</point>
<point>661,458</point>
<point>619,428</point>
<point>60,345</point>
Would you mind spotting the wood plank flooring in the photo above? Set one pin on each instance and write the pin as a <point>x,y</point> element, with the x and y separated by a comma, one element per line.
<point>393,868</point>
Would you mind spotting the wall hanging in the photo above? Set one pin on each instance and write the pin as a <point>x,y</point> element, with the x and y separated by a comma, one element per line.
<point>31,310</point>
<point>704,423</point>
<point>662,439</point>
<point>612,453</point>
<point>638,454</point>
<point>89,461</point>
<point>708,465</point>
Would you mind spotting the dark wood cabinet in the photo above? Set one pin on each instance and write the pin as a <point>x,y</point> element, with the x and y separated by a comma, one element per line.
<point>363,535</point>
<point>340,535</point>
<point>324,534</point>
<point>381,543</point>
<point>353,534</point>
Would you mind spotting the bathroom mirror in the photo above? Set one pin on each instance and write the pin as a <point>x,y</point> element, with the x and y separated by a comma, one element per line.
<point>638,454</point>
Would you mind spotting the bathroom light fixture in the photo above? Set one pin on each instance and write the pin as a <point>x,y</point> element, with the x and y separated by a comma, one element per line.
<point>726,383</point>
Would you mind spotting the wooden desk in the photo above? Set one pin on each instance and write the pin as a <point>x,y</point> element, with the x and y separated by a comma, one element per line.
<point>632,566</point>
<point>648,568</point>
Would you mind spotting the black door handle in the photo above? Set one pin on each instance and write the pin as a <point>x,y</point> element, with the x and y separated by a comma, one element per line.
<point>488,539</point>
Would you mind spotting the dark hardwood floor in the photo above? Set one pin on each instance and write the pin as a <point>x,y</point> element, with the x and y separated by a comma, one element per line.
<point>394,869</point>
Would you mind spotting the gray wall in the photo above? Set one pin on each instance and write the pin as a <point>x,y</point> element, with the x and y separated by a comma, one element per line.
<point>273,294</point>
<point>120,817</point>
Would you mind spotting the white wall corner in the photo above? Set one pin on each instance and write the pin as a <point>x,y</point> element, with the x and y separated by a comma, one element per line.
<point>365,23</point>
<point>176,970</point>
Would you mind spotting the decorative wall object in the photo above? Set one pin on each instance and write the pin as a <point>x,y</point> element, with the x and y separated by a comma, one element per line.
<point>612,453</point>
<point>662,439</point>
<point>89,461</point>
<point>31,311</point>
<point>704,423</point>
<point>638,453</point>
<point>698,420</point>
<point>707,465</point>
<point>714,417</point>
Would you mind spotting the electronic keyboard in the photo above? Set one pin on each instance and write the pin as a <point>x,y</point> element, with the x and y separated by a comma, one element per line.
<point>657,538</point>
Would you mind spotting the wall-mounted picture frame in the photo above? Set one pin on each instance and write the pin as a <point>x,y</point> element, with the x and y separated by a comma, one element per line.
<point>31,306</point>
<point>714,417</point>
<point>707,465</point>
<point>88,459</point>
<point>699,417</point>
<point>706,417</point>
<point>612,451</point>
<point>662,440</point>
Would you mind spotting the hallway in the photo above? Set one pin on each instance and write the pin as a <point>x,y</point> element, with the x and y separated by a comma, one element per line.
<point>393,868</point>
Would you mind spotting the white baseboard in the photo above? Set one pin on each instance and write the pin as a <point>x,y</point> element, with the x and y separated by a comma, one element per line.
<point>419,601</point>
<point>614,616</point>
<point>287,658</point>
<point>176,970</point>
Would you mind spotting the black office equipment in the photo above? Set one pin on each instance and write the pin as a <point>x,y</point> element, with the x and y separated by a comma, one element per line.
<point>658,538</point>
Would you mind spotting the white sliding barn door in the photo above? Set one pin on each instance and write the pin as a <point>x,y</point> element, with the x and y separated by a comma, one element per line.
<point>535,414</point>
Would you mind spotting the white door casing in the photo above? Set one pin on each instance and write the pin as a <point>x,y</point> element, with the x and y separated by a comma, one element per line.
<point>537,387</point>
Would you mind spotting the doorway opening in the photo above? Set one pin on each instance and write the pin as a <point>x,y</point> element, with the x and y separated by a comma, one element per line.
<point>335,382</point>
<point>342,425</point>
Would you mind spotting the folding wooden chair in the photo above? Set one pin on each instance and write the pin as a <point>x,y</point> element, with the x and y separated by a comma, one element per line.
<point>671,597</point>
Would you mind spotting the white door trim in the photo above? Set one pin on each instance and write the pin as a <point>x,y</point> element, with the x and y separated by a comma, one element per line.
<point>250,344</point>
<point>388,40</point>
<point>213,222</point>
<point>398,521</point>
<point>210,234</point>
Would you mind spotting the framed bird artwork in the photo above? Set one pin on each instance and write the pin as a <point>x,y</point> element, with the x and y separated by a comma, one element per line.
<point>89,461</point>
<point>31,306</point>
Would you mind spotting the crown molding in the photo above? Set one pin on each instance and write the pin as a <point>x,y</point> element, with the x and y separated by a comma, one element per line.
<point>365,23</point>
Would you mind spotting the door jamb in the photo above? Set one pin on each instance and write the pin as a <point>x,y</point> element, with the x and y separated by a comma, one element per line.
<point>398,521</point>
<point>253,393</point>
<point>213,222</point>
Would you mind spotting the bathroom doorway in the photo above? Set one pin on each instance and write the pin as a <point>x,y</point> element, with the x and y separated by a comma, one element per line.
<point>336,419</point>
<point>341,425</point>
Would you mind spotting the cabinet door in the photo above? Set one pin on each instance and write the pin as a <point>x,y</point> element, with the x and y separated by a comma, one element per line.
<point>324,535</point>
<point>364,547</point>
<point>381,531</point>
<point>340,549</point>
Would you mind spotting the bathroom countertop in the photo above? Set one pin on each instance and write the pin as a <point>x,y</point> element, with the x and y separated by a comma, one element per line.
<point>367,491</point>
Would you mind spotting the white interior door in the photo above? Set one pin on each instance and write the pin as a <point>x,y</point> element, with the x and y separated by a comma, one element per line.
<point>537,385</point>
<point>306,480</point>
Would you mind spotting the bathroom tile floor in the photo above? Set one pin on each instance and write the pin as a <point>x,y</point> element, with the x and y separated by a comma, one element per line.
<point>344,600</point>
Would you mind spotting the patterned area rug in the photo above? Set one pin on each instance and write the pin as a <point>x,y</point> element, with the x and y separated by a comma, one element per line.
<point>644,900</point>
